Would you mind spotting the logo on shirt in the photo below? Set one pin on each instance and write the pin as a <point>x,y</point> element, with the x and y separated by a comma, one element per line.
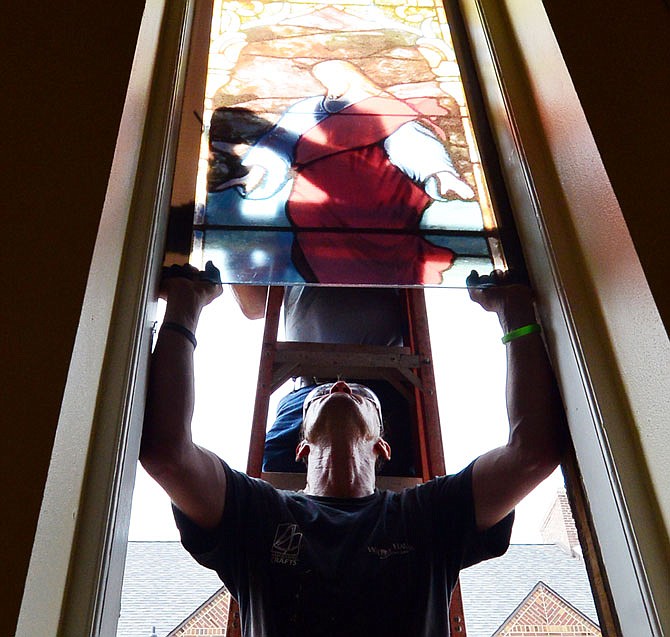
<point>286,545</point>
<point>396,548</point>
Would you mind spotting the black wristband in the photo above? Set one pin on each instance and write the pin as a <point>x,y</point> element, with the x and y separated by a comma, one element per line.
<point>175,327</point>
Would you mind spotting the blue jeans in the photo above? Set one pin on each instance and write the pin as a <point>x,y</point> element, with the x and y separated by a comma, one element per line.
<point>284,435</point>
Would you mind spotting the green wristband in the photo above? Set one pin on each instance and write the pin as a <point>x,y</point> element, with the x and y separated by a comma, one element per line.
<point>533,328</point>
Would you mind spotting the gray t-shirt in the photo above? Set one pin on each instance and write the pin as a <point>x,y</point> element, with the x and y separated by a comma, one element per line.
<point>362,316</point>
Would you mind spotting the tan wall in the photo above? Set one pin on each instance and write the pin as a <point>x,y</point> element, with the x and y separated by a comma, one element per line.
<point>618,54</point>
<point>70,63</point>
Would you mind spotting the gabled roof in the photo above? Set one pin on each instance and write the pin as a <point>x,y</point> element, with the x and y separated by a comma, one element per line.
<point>210,619</point>
<point>494,589</point>
<point>543,609</point>
<point>162,586</point>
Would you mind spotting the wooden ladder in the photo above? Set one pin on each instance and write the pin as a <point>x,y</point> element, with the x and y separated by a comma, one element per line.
<point>409,369</point>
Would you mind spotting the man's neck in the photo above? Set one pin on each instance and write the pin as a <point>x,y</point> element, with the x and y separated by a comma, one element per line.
<point>340,473</point>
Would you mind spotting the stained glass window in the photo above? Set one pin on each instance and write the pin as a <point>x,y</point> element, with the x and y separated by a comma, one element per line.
<point>338,148</point>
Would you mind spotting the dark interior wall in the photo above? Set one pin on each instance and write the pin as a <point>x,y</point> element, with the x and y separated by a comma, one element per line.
<point>618,55</point>
<point>68,65</point>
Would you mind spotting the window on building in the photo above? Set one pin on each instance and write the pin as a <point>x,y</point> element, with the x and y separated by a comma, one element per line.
<point>297,92</point>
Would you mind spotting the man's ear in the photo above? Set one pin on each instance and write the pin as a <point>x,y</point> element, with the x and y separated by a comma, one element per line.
<point>383,448</point>
<point>302,451</point>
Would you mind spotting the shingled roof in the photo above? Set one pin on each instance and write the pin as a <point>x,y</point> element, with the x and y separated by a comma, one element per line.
<point>164,586</point>
<point>493,590</point>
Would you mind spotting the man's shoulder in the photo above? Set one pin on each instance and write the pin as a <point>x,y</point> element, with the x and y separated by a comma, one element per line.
<point>450,485</point>
<point>241,478</point>
<point>243,486</point>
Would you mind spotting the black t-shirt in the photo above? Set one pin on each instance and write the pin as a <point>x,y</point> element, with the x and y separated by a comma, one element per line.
<point>383,565</point>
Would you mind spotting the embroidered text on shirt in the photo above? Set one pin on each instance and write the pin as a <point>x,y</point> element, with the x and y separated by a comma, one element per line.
<point>397,548</point>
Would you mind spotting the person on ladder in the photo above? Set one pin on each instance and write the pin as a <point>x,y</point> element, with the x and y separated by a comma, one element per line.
<point>360,316</point>
<point>342,557</point>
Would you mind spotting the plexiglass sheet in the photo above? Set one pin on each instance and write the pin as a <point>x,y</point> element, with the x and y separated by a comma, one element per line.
<point>339,148</point>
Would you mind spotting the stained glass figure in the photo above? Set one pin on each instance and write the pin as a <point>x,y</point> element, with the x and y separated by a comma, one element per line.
<point>339,148</point>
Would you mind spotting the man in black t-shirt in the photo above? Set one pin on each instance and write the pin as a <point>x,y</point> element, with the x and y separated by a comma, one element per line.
<point>342,557</point>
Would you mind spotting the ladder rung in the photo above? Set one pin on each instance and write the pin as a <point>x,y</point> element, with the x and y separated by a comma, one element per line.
<point>296,481</point>
<point>394,376</point>
<point>395,364</point>
<point>359,355</point>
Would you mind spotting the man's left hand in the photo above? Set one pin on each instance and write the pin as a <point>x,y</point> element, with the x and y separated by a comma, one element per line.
<point>498,292</point>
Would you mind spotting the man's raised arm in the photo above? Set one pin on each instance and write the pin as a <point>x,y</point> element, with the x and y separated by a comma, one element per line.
<point>193,477</point>
<point>503,476</point>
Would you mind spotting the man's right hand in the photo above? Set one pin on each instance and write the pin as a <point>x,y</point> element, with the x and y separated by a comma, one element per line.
<point>187,290</point>
<point>186,281</point>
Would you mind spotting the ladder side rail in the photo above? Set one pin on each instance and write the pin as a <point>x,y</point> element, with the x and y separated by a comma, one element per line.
<point>428,421</point>
<point>426,398</point>
<point>259,422</point>
<point>264,385</point>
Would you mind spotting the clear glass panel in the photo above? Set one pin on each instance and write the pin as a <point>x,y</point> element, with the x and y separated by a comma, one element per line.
<point>338,148</point>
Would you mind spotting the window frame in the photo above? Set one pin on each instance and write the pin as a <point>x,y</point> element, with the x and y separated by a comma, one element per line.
<point>571,232</point>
